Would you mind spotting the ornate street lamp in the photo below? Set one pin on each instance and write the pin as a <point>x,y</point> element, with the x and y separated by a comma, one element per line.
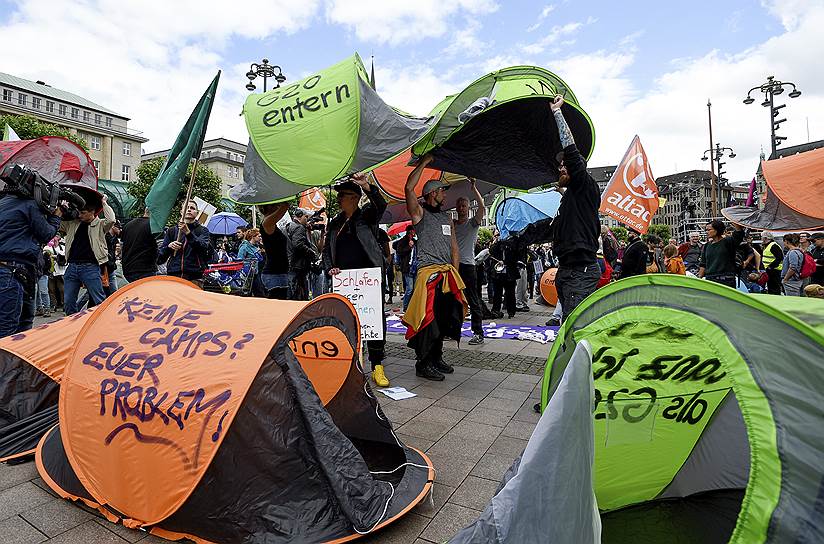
<point>264,70</point>
<point>771,88</point>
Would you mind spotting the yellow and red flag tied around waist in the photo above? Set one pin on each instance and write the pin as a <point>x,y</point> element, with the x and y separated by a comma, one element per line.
<point>631,197</point>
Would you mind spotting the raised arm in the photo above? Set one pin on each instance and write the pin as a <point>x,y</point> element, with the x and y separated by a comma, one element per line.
<point>270,222</point>
<point>412,206</point>
<point>480,213</point>
<point>563,129</point>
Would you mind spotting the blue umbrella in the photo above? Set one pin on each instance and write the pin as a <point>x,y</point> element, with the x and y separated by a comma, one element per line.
<point>516,212</point>
<point>225,223</point>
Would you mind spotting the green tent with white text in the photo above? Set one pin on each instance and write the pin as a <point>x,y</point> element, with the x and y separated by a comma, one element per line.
<point>706,422</point>
<point>332,124</point>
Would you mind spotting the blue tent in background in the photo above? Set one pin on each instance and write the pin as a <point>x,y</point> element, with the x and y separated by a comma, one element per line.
<point>515,212</point>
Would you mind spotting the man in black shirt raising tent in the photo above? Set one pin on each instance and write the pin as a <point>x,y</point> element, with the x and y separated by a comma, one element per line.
<point>576,228</point>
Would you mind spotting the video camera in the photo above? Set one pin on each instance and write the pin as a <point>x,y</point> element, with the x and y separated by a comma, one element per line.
<point>22,181</point>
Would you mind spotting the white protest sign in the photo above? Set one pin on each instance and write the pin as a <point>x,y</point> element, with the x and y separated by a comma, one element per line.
<point>362,286</point>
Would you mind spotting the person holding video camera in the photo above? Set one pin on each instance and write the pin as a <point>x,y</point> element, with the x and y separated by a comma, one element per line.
<point>25,227</point>
<point>86,252</point>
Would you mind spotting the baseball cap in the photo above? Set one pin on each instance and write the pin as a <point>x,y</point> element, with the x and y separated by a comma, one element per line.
<point>349,186</point>
<point>433,185</point>
<point>817,236</point>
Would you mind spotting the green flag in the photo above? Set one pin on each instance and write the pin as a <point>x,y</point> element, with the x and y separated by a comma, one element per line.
<point>9,135</point>
<point>169,181</point>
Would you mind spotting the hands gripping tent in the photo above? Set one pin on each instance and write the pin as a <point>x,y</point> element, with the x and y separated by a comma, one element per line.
<point>192,419</point>
<point>703,423</point>
<point>333,124</point>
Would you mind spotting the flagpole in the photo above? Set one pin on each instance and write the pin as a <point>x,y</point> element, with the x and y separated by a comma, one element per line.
<point>186,201</point>
<point>713,179</point>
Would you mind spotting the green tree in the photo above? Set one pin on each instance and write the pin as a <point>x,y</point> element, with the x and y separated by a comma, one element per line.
<point>207,187</point>
<point>620,233</point>
<point>661,231</point>
<point>484,236</point>
<point>29,128</point>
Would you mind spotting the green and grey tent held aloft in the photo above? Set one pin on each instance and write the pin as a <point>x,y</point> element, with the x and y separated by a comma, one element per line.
<point>333,124</point>
<point>685,410</point>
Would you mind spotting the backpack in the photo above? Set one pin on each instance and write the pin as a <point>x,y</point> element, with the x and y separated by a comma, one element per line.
<point>807,265</point>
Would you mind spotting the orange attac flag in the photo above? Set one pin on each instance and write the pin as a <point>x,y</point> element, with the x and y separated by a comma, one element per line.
<point>312,200</point>
<point>631,197</point>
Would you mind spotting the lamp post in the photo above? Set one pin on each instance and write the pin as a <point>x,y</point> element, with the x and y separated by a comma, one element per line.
<point>771,88</point>
<point>264,70</point>
<point>716,154</point>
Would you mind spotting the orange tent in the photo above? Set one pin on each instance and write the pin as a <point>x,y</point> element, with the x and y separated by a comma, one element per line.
<point>225,423</point>
<point>792,201</point>
<point>31,368</point>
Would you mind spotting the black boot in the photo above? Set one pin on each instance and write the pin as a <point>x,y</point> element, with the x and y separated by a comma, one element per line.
<point>443,367</point>
<point>429,373</point>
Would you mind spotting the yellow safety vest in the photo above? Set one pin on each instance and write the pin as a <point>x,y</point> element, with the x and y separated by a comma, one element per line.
<point>767,258</point>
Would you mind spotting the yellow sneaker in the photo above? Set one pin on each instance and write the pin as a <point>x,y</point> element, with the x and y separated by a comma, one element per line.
<point>380,377</point>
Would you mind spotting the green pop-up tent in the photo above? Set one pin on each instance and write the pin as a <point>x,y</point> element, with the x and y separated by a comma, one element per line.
<point>333,124</point>
<point>707,411</point>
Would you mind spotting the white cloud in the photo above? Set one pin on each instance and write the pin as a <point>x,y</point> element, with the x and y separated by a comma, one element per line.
<point>398,21</point>
<point>148,60</point>
<point>465,41</point>
<point>549,8</point>
<point>554,35</point>
<point>671,118</point>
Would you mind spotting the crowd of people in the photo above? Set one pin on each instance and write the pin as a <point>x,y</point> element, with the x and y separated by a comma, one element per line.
<point>437,266</point>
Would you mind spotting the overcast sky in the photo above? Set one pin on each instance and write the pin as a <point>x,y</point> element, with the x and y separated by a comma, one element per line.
<point>638,67</point>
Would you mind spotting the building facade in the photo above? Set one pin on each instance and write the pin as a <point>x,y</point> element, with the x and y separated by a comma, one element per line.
<point>224,157</point>
<point>114,148</point>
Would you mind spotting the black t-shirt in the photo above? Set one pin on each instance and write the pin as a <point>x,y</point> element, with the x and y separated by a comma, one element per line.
<point>742,254</point>
<point>818,255</point>
<point>81,251</point>
<point>277,259</point>
<point>349,252</point>
<point>138,249</point>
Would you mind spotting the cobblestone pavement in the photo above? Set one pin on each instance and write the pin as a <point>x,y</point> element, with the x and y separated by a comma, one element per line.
<point>490,360</point>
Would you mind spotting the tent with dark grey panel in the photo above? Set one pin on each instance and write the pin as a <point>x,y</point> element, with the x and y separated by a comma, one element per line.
<point>192,419</point>
<point>333,124</point>
<point>707,409</point>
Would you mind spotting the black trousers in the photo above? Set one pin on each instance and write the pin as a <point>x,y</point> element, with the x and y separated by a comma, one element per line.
<point>574,284</point>
<point>504,288</point>
<point>473,297</point>
<point>773,281</point>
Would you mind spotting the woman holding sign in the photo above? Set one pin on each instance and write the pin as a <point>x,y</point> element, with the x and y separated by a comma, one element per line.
<point>352,243</point>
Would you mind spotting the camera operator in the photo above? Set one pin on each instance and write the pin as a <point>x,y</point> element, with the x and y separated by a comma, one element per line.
<point>317,276</point>
<point>25,227</point>
<point>86,252</point>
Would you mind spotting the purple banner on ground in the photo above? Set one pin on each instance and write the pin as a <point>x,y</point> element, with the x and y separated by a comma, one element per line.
<point>491,330</point>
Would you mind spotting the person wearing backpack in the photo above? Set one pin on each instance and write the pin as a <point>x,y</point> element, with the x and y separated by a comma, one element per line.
<point>796,268</point>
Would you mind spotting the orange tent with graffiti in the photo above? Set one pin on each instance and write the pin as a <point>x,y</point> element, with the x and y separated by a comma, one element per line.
<point>196,419</point>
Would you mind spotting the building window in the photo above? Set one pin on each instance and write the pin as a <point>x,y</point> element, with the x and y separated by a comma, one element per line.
<point>234,172</point>
<point>35,102</point>
<point>108,121</point>
<point>96,166</point>
<point>7,95</point>
<point>49,106</point>
<point>127,149</point>
<point>75,113</point>
<point>242,158</point>
<point>87,116</point>
<point>22,99</point>
<point>95,143</point>
<point>97,118</point>
<point>61,109</point>
<point>124,172</point>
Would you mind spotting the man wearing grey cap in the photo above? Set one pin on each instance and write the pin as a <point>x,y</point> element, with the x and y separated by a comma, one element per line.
<point>438,307</point>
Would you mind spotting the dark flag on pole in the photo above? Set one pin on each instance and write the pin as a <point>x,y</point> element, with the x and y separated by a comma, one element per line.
<point>163,194</point>
<point>372,74</point>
